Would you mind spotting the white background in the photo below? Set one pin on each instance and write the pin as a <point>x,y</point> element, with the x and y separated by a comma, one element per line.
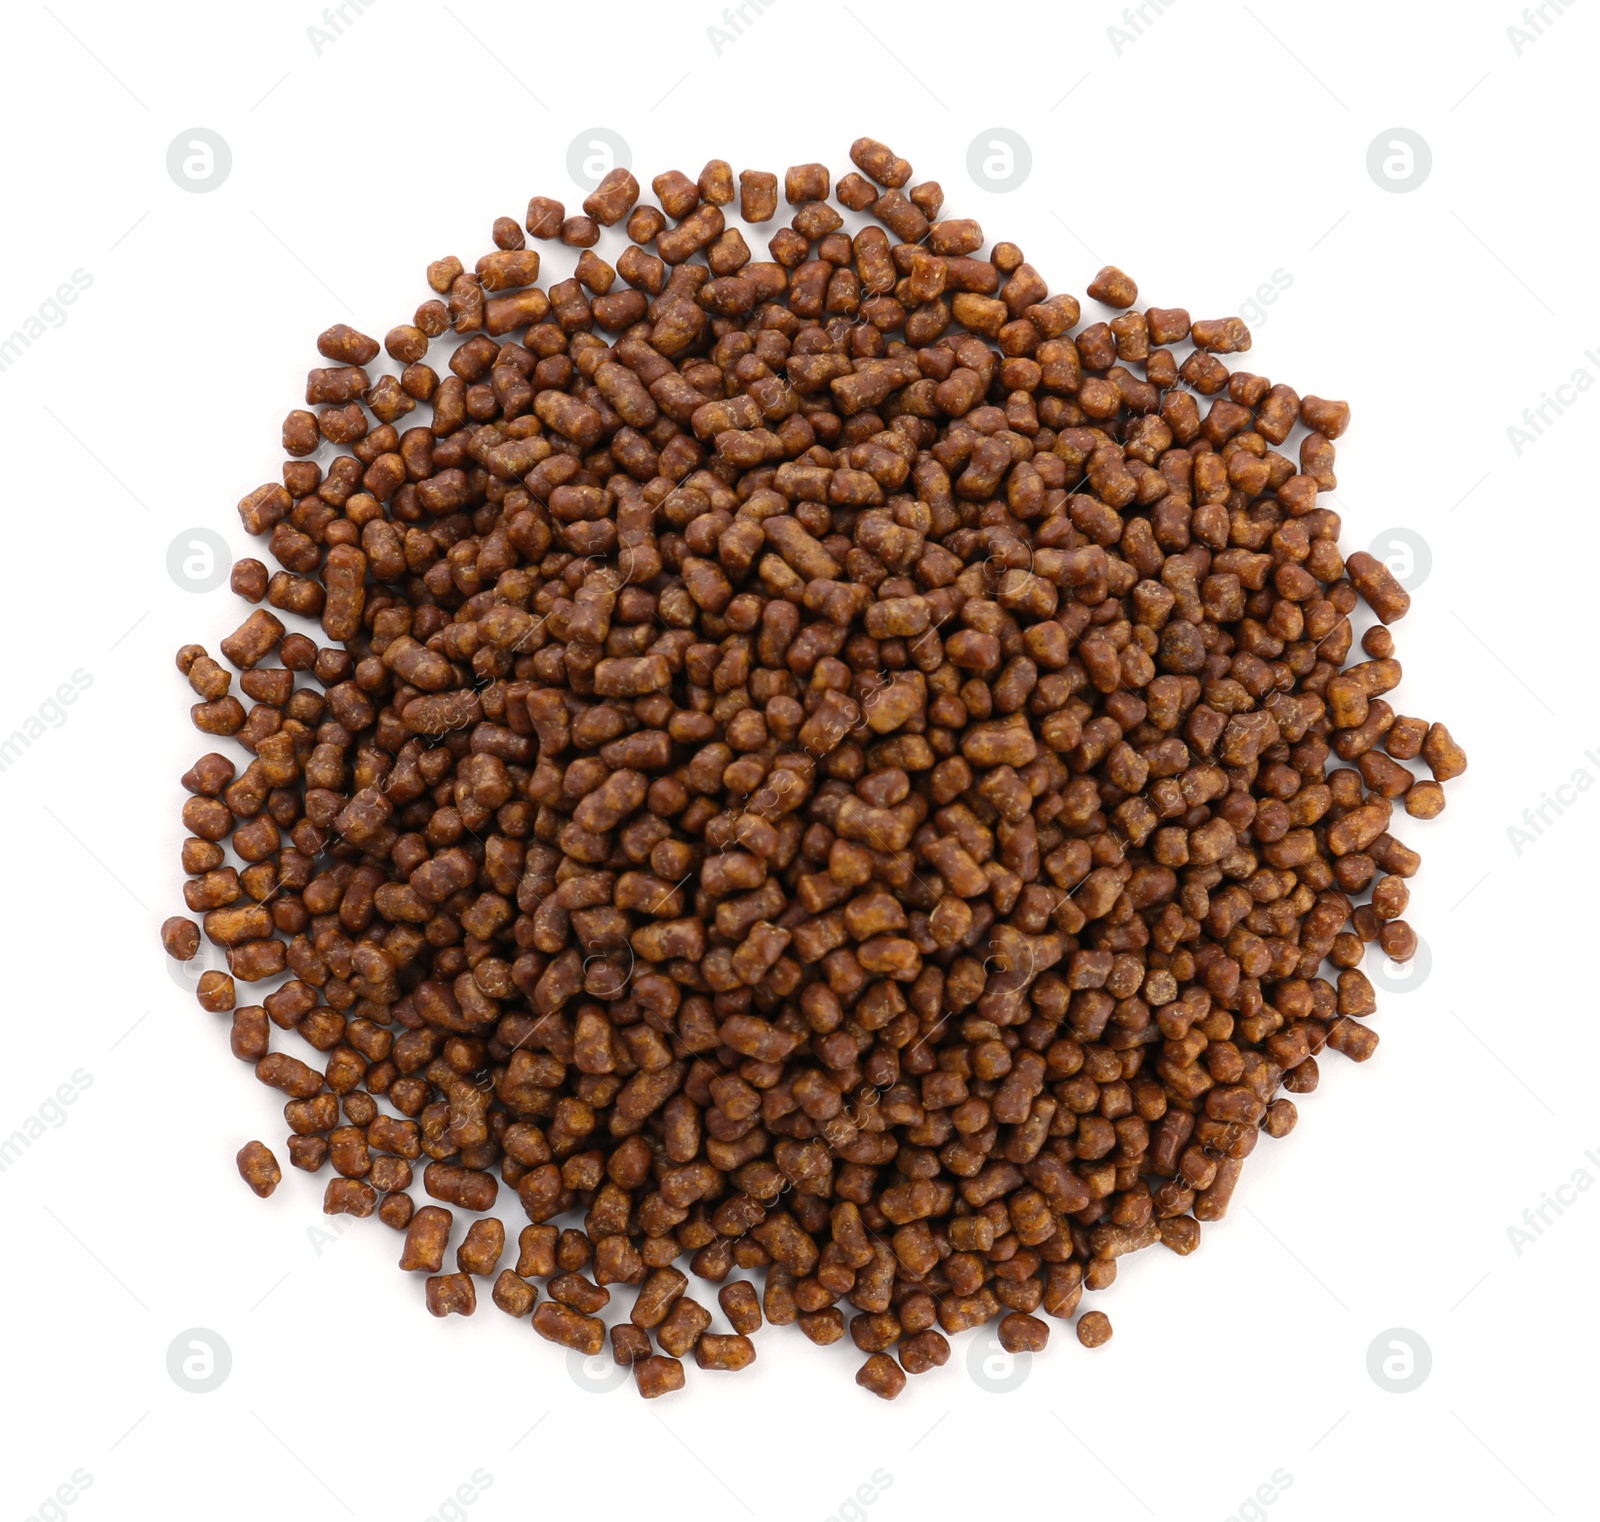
<point>1220,145</point>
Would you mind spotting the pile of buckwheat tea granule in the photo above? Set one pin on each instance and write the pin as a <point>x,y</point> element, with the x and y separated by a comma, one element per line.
<point>825,775</point>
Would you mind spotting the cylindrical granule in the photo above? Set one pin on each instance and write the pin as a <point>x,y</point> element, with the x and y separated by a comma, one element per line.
<point>427,1236</point>
<point>657,1375</point>
<point>714,1351</point>
<point>451,1295</point>
<point>259,1168</point>
<point>882,1376</point>
<point>513,1295</point>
